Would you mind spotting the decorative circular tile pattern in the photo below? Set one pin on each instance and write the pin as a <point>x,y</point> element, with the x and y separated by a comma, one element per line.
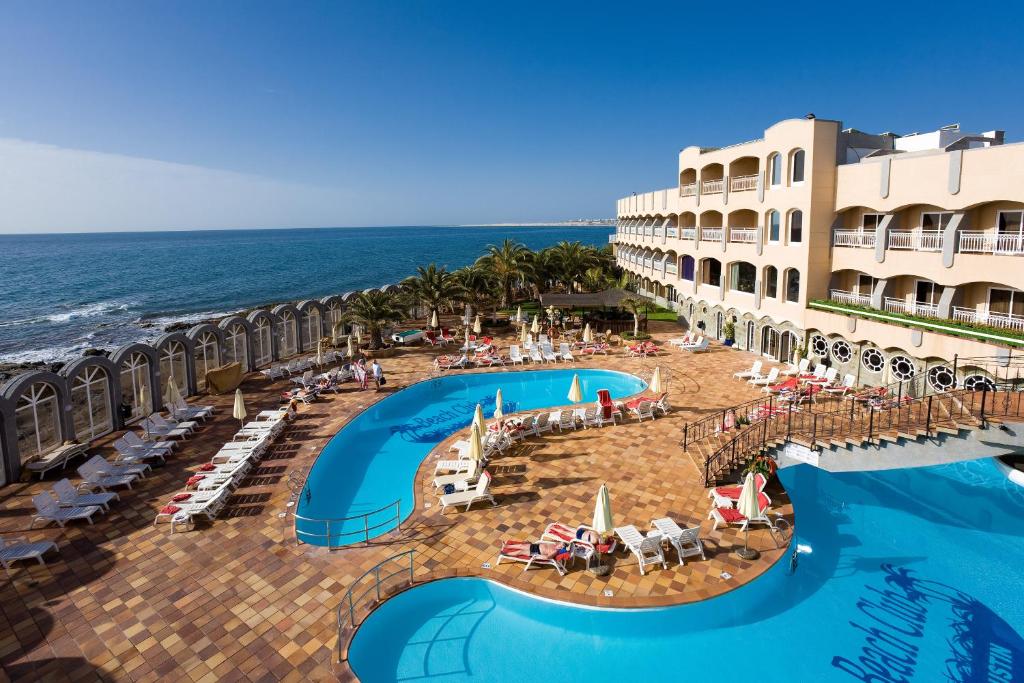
<point>873,360</point>
<point>841,351</point>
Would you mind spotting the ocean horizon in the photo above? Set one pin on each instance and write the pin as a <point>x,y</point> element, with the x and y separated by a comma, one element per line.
<point>63,293</point>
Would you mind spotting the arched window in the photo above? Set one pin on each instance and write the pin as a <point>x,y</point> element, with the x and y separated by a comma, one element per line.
<point>774,226</point>
<point>771,282</point>
<point>750,335</point>
<point>261,342</point>
<point>135,380</point>
<point>788,344</point>
<point>796,227</point>
<point>711,272</point>
<point>206,357</point>
<point>289,330</point>
<point>234,345</point>
<point>311,326</point>
<point>796,164</point>
<point>793,285</point>
<point>334,314</point>
<point>37,421</point>
<point>775,169</point>
<point>742,276</point>
<point>90,403</point>
<point>174,367</point>
<point>688,267</point>
<point>770,342</point>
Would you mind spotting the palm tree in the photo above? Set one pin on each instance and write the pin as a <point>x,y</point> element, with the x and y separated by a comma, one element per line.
<point>372,311</point>
<point>636,306</point>
<point>434,287</point>
<point>510,264</point>
<point>476,284</point>
<point>573,259</point>
<point>543,272</point>
<point>595,280</point>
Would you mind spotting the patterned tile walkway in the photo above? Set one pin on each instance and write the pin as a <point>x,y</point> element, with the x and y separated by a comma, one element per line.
<point>238,600</point>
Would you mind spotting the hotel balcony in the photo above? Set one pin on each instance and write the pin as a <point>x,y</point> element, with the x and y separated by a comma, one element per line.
<point>919,308</point>
<point>743,183</point>
<point>846,297</point>
<point>688,190</point>
<point>613,238</point>
<point>688,233</point>
<point>743,235</point>
<point>712,186</point>
<point>916,240</point>
<point>853,238</point>
<point>982,316</point>
<point>975,242</point>
<point>711,234</point>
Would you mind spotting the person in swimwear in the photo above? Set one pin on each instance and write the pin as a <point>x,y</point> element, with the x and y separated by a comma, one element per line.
<point>545,549</point>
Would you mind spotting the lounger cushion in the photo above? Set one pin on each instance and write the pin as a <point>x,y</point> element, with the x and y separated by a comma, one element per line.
<point>729,491</point>
<point>208,467</point>
<point>180,497</point>
<point>730,515</point>
<point>169,509</point>
<point>195,480</point>
<point>605,548</point>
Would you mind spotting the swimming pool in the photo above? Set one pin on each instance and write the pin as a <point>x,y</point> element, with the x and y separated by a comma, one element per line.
<point>905,575</point>
<point>373,460</point>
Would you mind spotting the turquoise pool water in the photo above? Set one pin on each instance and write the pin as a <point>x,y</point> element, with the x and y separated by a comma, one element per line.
<point>907,575</point>
<point>373,460</point>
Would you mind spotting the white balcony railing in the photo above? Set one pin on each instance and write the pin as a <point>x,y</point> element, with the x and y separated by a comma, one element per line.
<point>648,263</point>
<point>670,268</point>
<point>657,232</point>
<point>984,317</point>
<point>911,307</point>
<point>612,239</point>
<point>973,242</point>
<point>740,183</point>
<point>711,234</point>
<point>844,297</point>
<point>712,186</point>
<point>917,240</point>
<point>853,238</point>
<point>688,233</point>
<point>743,235</point>
<point>672,231</point>
<point>688,190</point>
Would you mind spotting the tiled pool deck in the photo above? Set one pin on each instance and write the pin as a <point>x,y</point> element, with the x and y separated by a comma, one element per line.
<point>239,600</point>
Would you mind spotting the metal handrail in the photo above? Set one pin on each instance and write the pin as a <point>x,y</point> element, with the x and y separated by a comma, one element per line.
<point>365,531</point>
<point>352,598</point>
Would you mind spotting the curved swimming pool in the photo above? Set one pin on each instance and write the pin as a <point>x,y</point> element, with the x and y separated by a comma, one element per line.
<point>373,460</point>
<point>903,575</point>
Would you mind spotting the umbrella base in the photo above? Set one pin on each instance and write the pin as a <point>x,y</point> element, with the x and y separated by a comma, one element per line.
<point>747,554</point>
<point>600,570</point>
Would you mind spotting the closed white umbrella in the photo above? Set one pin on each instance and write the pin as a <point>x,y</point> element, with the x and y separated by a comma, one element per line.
<point>602,522</point>
<point>656,380</point>
<point>351,347</point>
<point>319,355</point>
<point>536,325</point>
<point>467,340</point>
<point>334,334</point>
<point>476,449</point>
<point>519,313</point>
<point>239,411</point>
<point>434,322</point>
<point>588,335</point>
<point>478,418</point>
<point>359,334</point>
<point>575,395</point>
<point>172,395</point>
<point>498,401</point>
<point>145,405</point>
<point>522,333</point>
<point>748,506</point>
<point>476,325</point>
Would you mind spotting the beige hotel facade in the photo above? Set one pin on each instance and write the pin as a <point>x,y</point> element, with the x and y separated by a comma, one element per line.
<point>888,256</point>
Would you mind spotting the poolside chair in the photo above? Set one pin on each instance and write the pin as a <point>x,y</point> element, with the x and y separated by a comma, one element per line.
<point>462,478</point>
<point>451,363</point>
<point>549,354</point>
<point>680,341</point>
<point>565,353</point>
<point>792,369</point>
<point>565,419</point>
<point>562,533</point>
<point>163,431</point>
<point>186,513</point>
<point>58,457</point>
<point>480,492</point>
<point>754,371</point>
<point>592,417</point>
<point>827,379</point>
<point>816,375</point>
<point>48,511</point>
<point>535,356</point>
<point>841,389</point>
<point>686,541</point>
<point>661,405</point>
<point>610,411</point>
<point>14,549</point>
<point>520,431</point>
<point>646,549</point>
<point>641,409</point>
<point>514,355</point>
<point>171,424</point>
<point>693,342</point>
<point>727,496</point>
<point>729,515</point>
<point>699,347</point>
<point>510,550</point>
<point>770,378</point>
<point>542,423</point>
<point>97,464</point>
<point>135,442</point>
<point>68,496</point>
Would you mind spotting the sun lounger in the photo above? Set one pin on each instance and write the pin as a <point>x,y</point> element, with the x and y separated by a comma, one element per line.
<point>58,457</point>
<point>591,417</point>
<point>163,432</point>
<point>685,541</point>
<point>68,496</point>
<point>14,549</point>
<point>754,371</point>
<point>462,478</point>
<point>842,389</point>
<point>511,550</point>
<point>542,423</point>
<point>130,454</point>
<point>97,464</point>
<point>770,378</point>
<point>726,496</point>
<point>730,515</point>
<point>162,422</point>
<point>829,377</point>
<point>451,363</point>
<point>186,513</point>
<point>699,347</point>
<point>515,355</point>
<point>565,353</point>
<point>562,533</point>
<point>646,549</point>
<point>564,419</point>
<point>641,409</point>
<point>792,370</point>
<point>48,511</point>
<point>467,498</point>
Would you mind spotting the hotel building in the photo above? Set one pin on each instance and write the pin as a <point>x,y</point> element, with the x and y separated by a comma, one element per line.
<point>884,255</point>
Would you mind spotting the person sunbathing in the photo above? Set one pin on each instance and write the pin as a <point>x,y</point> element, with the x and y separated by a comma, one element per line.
<point>548,550</point>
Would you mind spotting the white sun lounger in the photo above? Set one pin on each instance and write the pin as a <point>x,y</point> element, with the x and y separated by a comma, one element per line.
<point>48,511</point>
<point>68,496</point>
<point>770,378</point>
<point>464,477</point>
<point>136,442</point>
<point>685,541</point>
<point>130,454</point>
<point>530,560</point>
<point>14,549</point>
<point>542,424</point>
<point>566,353</point>
<point>754,371</point>
<point>515,355</point>
<point>58,457</point>
<point>467,498</point>
<point>162,422</point>
<point>792,369</point>
<point>646,549</point>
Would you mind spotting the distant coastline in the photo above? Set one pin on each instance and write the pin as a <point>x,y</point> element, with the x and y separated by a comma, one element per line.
<point>580,223</point>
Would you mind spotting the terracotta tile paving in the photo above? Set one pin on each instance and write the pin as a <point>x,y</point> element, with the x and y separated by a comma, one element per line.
<point>239,600</point>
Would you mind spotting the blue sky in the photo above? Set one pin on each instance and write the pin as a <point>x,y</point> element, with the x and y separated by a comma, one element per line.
<point>254,114</point>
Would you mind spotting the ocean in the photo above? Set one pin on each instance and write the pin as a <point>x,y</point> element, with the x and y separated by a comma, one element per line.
<point>62,294</point>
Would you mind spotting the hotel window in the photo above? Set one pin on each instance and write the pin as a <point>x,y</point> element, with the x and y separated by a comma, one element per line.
<point>712,272</point>
<point>206,357</point>
<point>174,366</point>
<point>871,221</point>
<point>37,420</point>
<point>262,346</point>
<point>771,282</point>
<point>135,382</point>
<point>750,335</point>
<point>90,403</point>
<point>742,276</point>
<point>797,173</point>
<point>865,284</point>
<point>796,227</point>
<point>926,291</point>
<point>234,346</point>
<point>932,221</point>
<point>1006,301</point>
<point>774,226</point>
<point>687,268</point>
<point>775,170</point>
<point>1010,222</point>
<point>793,285</point>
